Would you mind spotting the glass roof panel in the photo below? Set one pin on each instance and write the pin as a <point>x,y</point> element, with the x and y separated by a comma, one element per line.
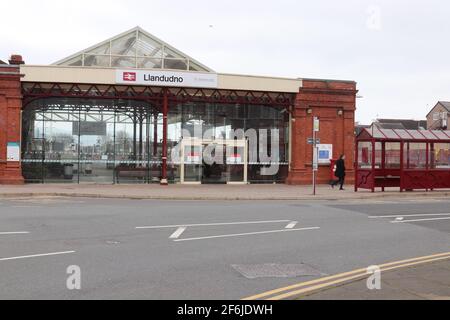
<point>194,67</point>
<point>447,133</point>
<point>102,49</point>
<point>134,43</point>
<point>147,47</point>
<point>403,134</point>
<point>416,134</point>
<point>428,134</point>
<point>125,45</point>
<point>169,53</point>
<point>76,61</point>
<point>178,64</point>
<point>97,60</point>
<point>124,62</point>
<point>376,133</point>
<point>441,135</point>
<point>149,63</point>
<point>389,133</point>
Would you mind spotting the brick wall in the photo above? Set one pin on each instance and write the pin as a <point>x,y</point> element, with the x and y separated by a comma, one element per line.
<point>334,102</point>
<point>10,122</point>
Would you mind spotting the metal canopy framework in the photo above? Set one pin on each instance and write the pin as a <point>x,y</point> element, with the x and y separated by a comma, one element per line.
<point>34,91</point>
<point>136,49</point>
<point>409,159</point>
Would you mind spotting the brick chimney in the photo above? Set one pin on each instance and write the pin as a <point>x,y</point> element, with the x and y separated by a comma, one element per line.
<point>16,59</point>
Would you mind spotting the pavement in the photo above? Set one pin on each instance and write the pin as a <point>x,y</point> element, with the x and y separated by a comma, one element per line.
<point>203,250</point>
<point>429,281</point>
<point>205,192</point>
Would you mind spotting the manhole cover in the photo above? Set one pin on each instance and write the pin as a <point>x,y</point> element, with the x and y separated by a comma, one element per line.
<point>273,270</point>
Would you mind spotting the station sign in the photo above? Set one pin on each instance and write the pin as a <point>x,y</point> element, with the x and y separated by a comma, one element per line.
<point>164,78</point>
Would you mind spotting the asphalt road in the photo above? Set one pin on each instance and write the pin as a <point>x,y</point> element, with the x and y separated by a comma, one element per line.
<point>239,249</point>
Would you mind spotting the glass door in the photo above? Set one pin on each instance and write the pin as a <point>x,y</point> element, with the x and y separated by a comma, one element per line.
<point>230,165</point>
<point>192,161</point>
<point>237,161</point>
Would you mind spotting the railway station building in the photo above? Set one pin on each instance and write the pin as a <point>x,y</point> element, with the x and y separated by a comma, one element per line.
<point>134,109</point>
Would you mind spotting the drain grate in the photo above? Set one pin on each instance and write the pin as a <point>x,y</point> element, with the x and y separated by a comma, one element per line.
<point>274,270</point>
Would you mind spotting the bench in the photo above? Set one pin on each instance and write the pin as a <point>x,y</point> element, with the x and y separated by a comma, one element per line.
<point>128,172</point>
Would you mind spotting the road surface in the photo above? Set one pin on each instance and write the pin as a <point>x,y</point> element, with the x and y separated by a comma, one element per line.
<point>139,249</point>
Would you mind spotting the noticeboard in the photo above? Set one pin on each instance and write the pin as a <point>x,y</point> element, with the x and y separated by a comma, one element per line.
<point>13,152</point>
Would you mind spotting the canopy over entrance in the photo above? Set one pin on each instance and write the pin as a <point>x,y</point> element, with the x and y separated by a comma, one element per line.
<point>136,49</point>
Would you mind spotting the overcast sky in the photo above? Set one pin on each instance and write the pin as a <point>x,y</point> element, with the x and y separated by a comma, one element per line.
<point>398,51</point>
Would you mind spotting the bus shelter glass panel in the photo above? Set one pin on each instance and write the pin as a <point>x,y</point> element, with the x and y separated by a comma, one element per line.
<point>365,155</point>
<point>392,155</point>
<point>441,156</point>
<point>415,155</point>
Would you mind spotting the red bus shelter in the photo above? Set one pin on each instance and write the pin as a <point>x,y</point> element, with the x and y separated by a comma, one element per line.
<point>408,159</point>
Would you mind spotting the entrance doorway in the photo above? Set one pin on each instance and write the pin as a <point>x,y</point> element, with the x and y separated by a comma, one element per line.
<point>214,161</point>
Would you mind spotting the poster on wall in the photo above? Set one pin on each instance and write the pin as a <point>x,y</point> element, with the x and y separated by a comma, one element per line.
<point>325,152</point>
<point>13,152</point>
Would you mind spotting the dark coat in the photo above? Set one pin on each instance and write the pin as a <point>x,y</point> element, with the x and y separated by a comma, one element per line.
<point>340,168</point>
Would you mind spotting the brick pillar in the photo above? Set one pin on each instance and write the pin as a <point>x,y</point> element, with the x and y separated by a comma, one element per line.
<point>334,102</point>
<point>10,121</point>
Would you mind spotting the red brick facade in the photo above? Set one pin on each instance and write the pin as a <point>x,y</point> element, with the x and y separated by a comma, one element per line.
<point>10,122</point>
<point>334,102</point>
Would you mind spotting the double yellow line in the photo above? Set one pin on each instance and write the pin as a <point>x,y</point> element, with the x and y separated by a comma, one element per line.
<point>309,287</point>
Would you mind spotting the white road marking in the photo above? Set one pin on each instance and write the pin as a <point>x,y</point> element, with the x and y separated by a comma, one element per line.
<point>246,234</point>
<point>213,224</point>
<point>12,233</point>
<point>178,233</point>
<point>291,225</point>
<point>37,255</point>
<point>410,215</point>
<point>25,207</point>
<point>420,220</point>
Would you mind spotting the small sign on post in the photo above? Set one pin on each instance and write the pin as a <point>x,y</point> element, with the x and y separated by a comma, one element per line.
<point>315,164</point>
<point>316,124</point>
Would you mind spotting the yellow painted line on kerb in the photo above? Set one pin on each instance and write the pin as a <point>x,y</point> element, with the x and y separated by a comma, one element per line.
<point>342,277</point>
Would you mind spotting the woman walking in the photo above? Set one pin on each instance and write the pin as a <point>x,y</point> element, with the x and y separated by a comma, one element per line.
<point>340,173</point>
